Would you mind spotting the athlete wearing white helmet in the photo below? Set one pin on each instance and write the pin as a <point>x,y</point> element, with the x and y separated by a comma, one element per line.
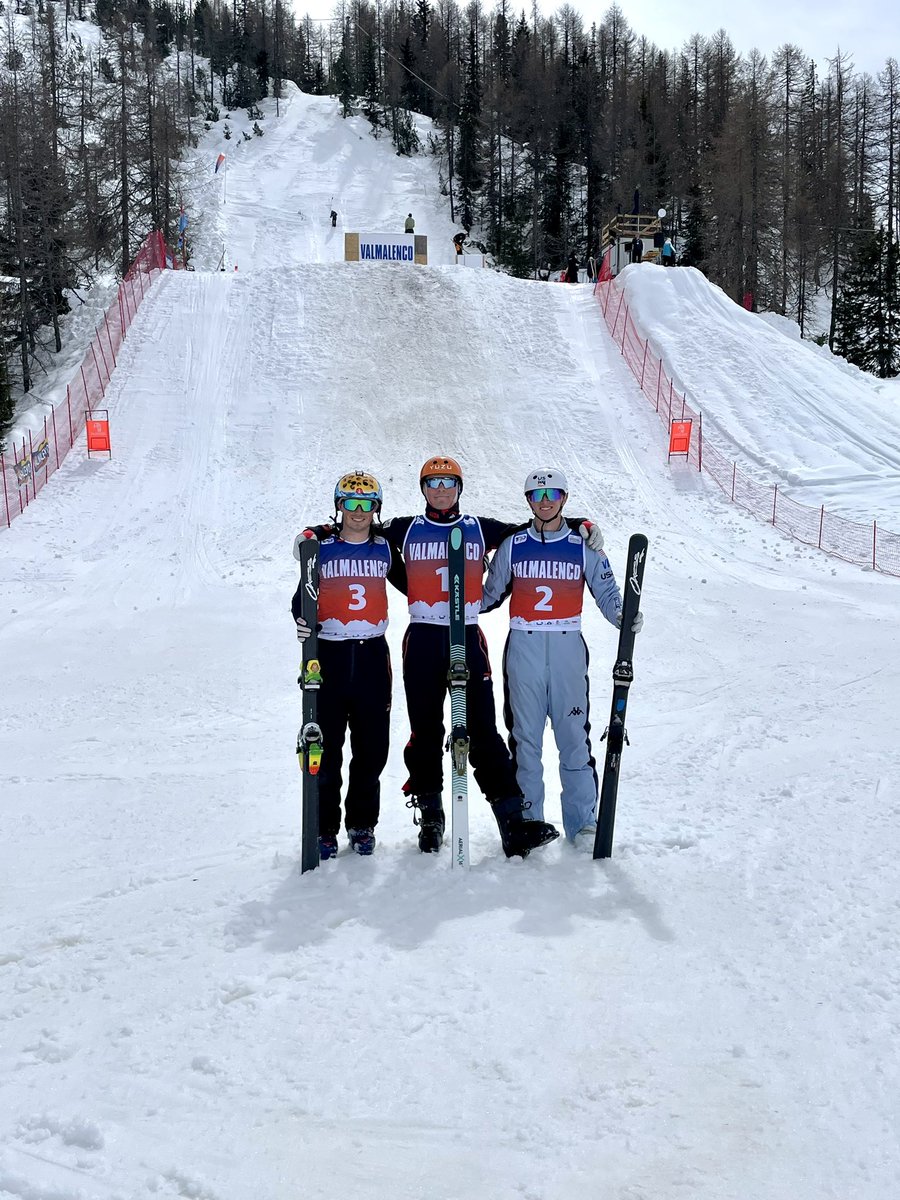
<point>551,477</point>
<point>544,569</point>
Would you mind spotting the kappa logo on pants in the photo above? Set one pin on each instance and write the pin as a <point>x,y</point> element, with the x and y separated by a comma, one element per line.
<point>577,712</point>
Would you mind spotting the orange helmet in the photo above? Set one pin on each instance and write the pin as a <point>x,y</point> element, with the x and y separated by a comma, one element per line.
<point>441,465</point>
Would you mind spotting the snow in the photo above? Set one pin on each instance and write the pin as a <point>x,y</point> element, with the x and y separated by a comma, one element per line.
<point>787,409</point>
<point>711,1013</point>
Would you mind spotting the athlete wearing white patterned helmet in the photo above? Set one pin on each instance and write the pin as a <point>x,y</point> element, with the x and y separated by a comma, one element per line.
<point>545,570</point>
<point>544,477</point>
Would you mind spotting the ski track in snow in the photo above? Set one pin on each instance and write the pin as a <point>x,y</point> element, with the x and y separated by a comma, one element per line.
<point>711,1014</point>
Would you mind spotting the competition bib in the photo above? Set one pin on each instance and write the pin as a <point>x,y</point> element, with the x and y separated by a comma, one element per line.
<point>428,573</point>
<point>353,588</point>
<point>547,582</point>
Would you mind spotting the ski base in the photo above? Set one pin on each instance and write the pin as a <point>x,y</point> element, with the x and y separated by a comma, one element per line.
<point>623,676</point>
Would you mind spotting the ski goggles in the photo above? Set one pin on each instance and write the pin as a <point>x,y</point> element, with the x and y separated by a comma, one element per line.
<point>444,481</point>
<point>358,504</point>
<point>540,494</point>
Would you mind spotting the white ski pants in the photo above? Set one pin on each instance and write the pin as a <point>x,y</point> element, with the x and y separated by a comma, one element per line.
<point>545,674</point>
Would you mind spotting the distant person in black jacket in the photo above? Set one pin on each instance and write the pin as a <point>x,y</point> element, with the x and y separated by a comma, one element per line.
<point>572,269</point>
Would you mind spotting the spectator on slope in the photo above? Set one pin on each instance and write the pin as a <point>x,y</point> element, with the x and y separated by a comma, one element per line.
<point>355,563</point>
<point>637,249</point>
<point>543,273</point>
<point>333,218</point>
<point>668,253</point>
<point>458,240</point>
<point>572,269</point>
<point>410,226</point>
<point>543,570</point>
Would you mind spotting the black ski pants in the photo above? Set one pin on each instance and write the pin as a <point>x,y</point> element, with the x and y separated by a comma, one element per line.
<point>355,694</point>
<point>426,661</point>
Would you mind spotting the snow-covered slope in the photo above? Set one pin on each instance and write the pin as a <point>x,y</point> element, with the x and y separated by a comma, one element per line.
<point>270,203</point>
<point>711,1013</point>
<point>786,409</point>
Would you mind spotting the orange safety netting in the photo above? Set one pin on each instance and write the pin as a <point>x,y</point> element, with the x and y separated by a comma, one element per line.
<point>35,458</point>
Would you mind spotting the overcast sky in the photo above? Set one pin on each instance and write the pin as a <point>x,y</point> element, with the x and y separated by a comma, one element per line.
<point>861,28</point>
<point>858,27</point>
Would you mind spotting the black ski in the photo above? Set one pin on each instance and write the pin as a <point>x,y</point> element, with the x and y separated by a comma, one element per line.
<point>623,674</point>
<point>457,679</point>
<point>309,739</point>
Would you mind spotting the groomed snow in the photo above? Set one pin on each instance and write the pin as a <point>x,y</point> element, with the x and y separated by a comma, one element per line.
<point>710,1014</point>
<point>787,410</point>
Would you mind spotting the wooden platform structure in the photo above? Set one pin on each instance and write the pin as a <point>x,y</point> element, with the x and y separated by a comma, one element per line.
<point>620,231</point>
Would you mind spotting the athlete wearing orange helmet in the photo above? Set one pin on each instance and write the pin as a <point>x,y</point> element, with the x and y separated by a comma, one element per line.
<point>439,466</point>
<point>423,543</point>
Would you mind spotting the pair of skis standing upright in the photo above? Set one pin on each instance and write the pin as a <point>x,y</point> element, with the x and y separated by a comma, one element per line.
<point>309,740</point>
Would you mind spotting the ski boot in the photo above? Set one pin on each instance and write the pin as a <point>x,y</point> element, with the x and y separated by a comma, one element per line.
<point>520,837</point>
<point>328,847</point>
<point>362,841</point>
<point>430,821</point>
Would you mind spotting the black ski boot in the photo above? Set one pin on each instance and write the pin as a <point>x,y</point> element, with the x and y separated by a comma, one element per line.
<point>520,837</point>
<point>430,821</point>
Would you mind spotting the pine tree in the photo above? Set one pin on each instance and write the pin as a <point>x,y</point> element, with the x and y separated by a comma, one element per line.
<point>468,154</point>
<point>869,294</point>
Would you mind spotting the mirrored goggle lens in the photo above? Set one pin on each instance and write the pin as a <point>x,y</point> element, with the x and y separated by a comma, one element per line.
<point>357,504</point>
<point>444,481</point>
<point>545,494</point>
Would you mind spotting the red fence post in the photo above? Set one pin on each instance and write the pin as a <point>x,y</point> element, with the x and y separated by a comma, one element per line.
<point>700,442</point>
<point>112,349</point>
<point>644,363</point>
<point>618,310</point>
<point>5,493</point>
<point>31,462</point>
<point>97,366</point>
<point>821,524</point>
<point>774,502</point>
<point>874,543</point>
<point>56,437</point>
<point>658,382</point>
<point>99,342</point>
<point>733,479</point>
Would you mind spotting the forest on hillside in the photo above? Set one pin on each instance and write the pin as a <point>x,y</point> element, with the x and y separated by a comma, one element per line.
<point>779,181</point>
